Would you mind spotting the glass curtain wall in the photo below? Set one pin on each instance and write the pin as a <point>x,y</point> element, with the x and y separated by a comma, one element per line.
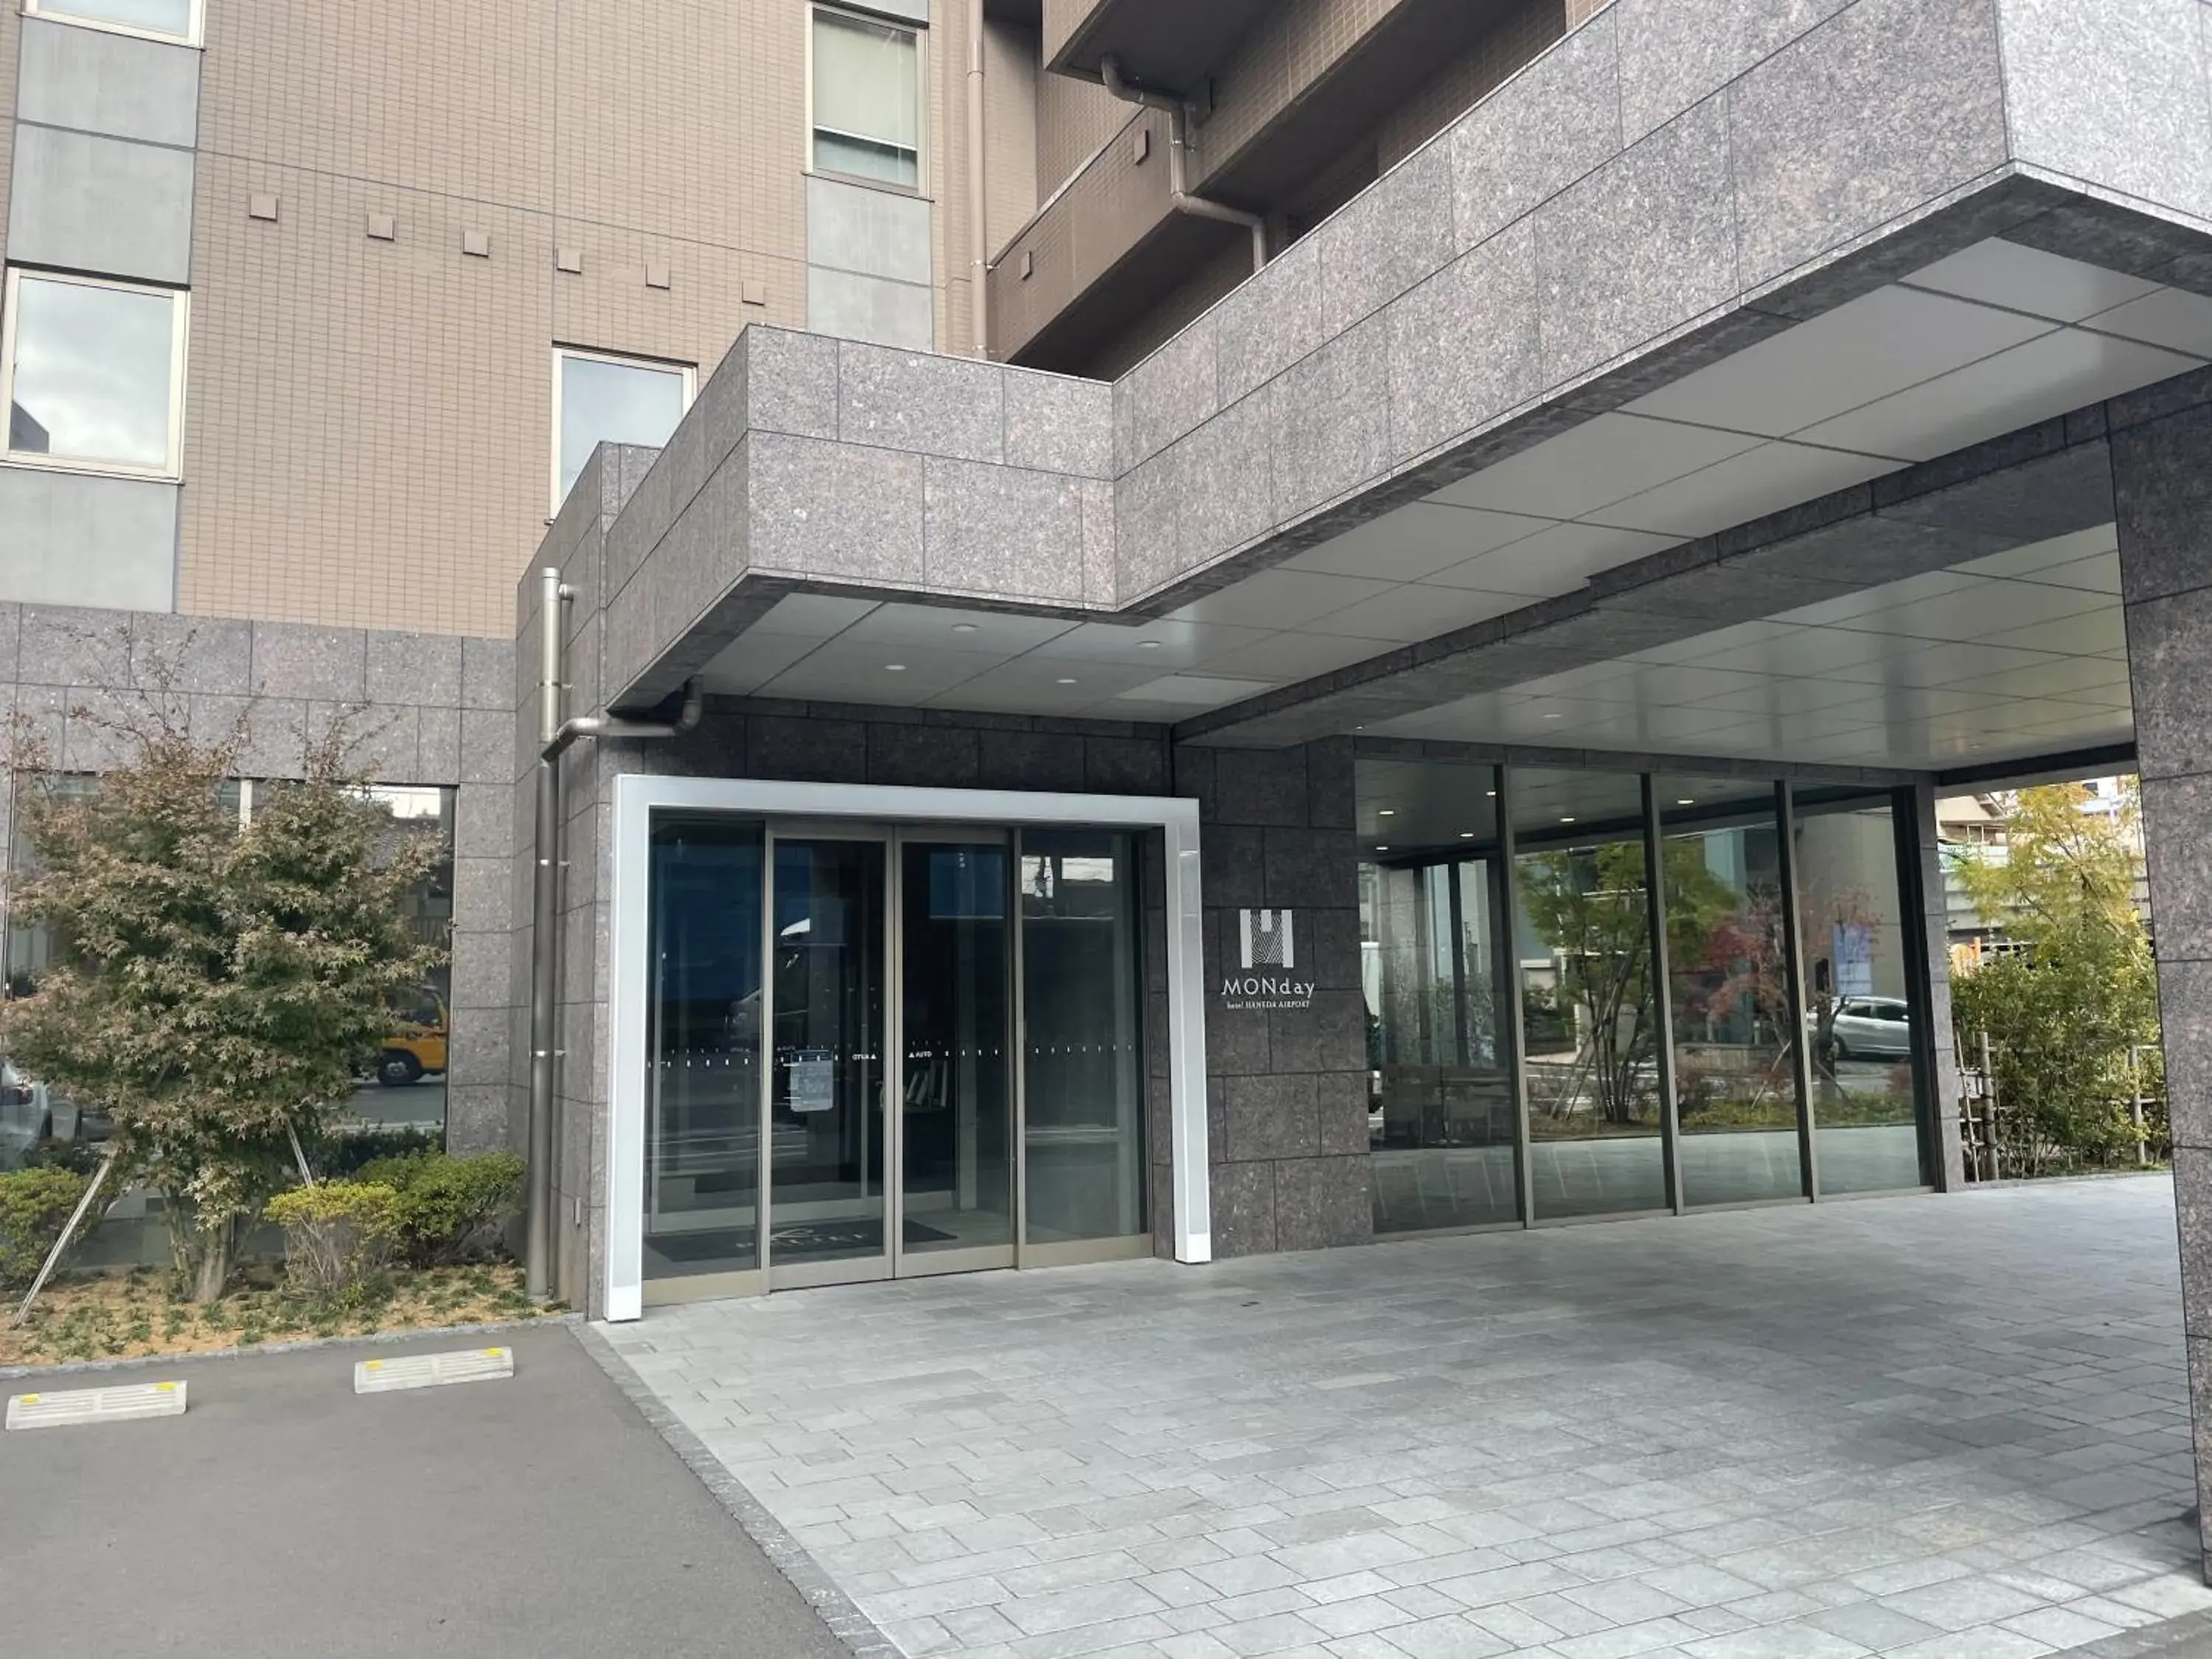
<point>1442,1111</point>
<point>1785,994</point>
<point>1862,992</point>
<point>1727,987</point>
<point>1589,994</point>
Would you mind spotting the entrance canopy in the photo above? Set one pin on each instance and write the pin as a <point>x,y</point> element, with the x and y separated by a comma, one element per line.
<point>1727,403</point>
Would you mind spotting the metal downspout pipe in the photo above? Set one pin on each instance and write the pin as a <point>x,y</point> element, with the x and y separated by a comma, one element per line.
<point>979,234</point>
<point>1179,196</point>
<point>554,735</point>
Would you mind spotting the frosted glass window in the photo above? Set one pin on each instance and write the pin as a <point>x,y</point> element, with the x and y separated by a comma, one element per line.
<point>604,401</point>
<point>867,99</point>
<point>175,20</point>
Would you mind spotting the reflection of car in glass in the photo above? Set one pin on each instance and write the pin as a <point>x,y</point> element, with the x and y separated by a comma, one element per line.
<point>415,1046</point>
<point>1868,1027</point>
<point>31,1113</point>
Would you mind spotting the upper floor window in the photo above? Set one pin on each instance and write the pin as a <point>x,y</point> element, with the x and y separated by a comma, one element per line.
<point>598,398</point>
<point>92,373</point>
<point>162,20</point>
<point>867,98</point>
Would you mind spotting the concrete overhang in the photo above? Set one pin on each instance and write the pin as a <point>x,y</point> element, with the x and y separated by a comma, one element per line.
<point>1665,193</point>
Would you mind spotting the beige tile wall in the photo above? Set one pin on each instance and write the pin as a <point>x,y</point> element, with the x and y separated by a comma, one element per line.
<point>368,437</point>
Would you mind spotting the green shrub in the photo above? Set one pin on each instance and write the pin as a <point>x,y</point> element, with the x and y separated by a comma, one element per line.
<point>338,1235</point>
<point>450,1209</point>
<point>34,1207</point>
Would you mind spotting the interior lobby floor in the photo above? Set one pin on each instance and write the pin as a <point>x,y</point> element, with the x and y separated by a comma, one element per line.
<point>1924,1426</point>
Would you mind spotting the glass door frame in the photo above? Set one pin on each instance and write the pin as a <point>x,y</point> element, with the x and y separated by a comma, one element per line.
<point>845,1270</point>
<point>863,810</point>
<point>905,1263</point>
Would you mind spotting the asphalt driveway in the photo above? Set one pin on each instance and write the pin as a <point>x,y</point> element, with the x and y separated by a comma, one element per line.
<point>283,1516</point>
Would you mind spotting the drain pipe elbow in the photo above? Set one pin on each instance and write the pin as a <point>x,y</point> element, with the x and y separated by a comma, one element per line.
<point>1179,196</point>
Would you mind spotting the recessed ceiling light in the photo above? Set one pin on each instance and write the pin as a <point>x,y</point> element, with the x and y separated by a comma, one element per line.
<point>964,628</point>
<point>1067,682</point>
<point>1382,849</point>
<point>1148,645</point>
<point>1492,794</point>
<point>894,668</point>
<point>1685,801</point>
<point>1568,819</point>
<point>1467,835</point>
<point>1386,812</point>
<point>1550,717</point>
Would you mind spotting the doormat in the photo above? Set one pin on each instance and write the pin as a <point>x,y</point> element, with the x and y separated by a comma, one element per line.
<point>798,1238</point>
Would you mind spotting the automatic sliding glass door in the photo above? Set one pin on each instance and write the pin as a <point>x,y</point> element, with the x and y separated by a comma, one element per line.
<point>956,1124</point>
<point>827,947</point>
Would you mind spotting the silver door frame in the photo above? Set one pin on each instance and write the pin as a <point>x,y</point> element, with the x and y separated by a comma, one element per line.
<point>637,796</point>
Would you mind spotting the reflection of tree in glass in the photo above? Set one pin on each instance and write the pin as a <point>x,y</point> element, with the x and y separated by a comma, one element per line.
<point>1742,998</point>
<point>1589,905</point>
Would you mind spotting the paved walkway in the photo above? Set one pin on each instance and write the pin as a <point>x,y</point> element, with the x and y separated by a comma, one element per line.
<point>1923,1426</point>
<point>284,1517</point>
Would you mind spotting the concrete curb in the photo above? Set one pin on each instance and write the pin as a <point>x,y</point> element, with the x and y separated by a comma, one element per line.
<point>837,1610</point>
<point>374,1339</point>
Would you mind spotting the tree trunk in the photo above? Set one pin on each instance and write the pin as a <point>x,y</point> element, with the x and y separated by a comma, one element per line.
<point>205,1249</point>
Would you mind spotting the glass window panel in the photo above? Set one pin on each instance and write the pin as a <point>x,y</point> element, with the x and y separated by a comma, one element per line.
<point>1440,1122</point>
<point>1728,985</point>
<point>1861,998</point>
<point>92,373</point>
<point>408,1090</point>
<point>955,1016</point>
<point>1589,1001</point>
<point>703,1083</point>
<point>867,99</point>
<point>170,17</point>
<point>1083,1059</point>
<point>603,401</point>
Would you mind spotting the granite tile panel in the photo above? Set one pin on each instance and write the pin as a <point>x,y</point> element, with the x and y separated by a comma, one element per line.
<point>476,1118</point>
<point>1032,760</point>
<point>488,673</point>
<point>11,637</point>
<point>1258,786</point>
<point>2160,496</point>
<point>1222,496</point>
<point>413,668</point>
<point>192,654</point>
<point>1640,246</point>
<point>1465,346</point>
<point>2114,93</point>
<point>61,645</point>
<point>2192,1214</point>
<point>275,735</point>
<point>1558,119</point>
<point>791,382</point>
<point>834,510</point>
<point>1101,572</point>
<point>1001,531</point>
<point>2184,1012</point>
<point>1124,766</point>
<point>1270,322</point>
<point>1884,107</point>
<point>1271,1114</point>
<point>481,1048</point>
<point>380,741</point>
<point>329,664</point>
<point>1331,415</point>
<point>1231,869</point>
<point>1323,1202</point>
<point>484,821</point>
<point>1309,868</point>
<point>808,751</point>
<point>1673,53</point>
<point>1340,1110</point>
<point>480,968</point>
<point>945,758</point>
<point>915,401</point>
<point>2178,852</point>
<point>2169,645</point>
<point>1147,525</point>
<point>1169,393</point>
<point>1243,1209</point>
<point>1057,423</point>
<point>487,747</point>
<point>1390,236</point>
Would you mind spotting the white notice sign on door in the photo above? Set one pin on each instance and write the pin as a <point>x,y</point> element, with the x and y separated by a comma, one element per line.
<point>813,1083</point>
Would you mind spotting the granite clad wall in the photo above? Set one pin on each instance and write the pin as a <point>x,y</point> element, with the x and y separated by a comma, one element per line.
<point>434,707</point>
<point>1286,1091</point>
<point>2162,481</point>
